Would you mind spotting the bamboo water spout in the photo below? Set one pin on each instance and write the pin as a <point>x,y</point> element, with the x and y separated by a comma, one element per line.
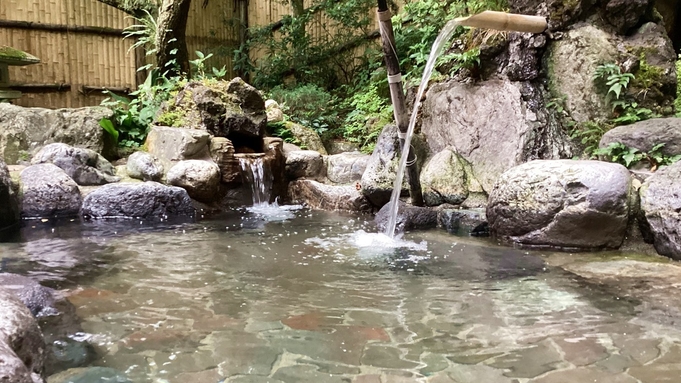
<point>487,19</point>
<point>503,21</point>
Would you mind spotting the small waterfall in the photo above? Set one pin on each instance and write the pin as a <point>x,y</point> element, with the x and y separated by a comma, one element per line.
<point>438,45</point>
<point>258,176</point>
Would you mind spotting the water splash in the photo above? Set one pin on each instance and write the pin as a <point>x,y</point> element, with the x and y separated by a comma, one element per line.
<point>435,51</point>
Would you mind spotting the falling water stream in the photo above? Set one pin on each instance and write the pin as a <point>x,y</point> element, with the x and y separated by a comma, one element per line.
<point>438,45</point>
<point>255,174</point>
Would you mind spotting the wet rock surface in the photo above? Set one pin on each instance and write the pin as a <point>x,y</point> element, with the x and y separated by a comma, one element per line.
<point>57,319</point>
<point>317,195</point>
<point>149,200</point>
<point>9,203</point>
<point>84,166</point>
<point>659,215</point>
<point>22,348</point>
<point>47,191</point>
<point>461,221</point>
<point>408,217</point>
<point>563,203</point>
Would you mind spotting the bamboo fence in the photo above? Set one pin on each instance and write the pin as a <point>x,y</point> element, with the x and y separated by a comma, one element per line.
<point>82,49</point>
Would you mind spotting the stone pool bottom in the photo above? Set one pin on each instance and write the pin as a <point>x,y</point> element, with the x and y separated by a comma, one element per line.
<point>292,295</point>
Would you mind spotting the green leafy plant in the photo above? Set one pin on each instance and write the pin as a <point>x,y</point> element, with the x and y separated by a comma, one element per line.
<point>144,35</point>
<point>627,156</point>
<point>610,77</point>
<point>132,116</point>
<point>369,112</point>
<point>589,136</point>
<point>308,105</point>
<point>199,67</point>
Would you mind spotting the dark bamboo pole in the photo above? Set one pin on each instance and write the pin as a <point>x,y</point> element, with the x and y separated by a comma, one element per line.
<point>397,96</point>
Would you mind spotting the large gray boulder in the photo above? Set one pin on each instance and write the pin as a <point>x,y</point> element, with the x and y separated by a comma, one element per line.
<point>346,168</point>
<point>328,197</point>
<point>231,109</point>
<point>144,166</point>
<point>22,348</point>
<point>47,191</point>
<point>563,203</point>
<point>491,125</point>
<point>644,135</point>
<point>85,166</point>
<point>660,213</point>
<point>201,179</point>
<point>379,176</point>
<point>149,200</point>
<point>24,131</point>
<point>305,164</point>
<point>9,204</point>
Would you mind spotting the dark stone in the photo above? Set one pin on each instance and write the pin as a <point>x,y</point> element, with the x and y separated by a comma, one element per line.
<point>9,204</point>
<point>47,191</point>
<point>84,166</point>
<point>408,217</point>
<point>625,14</point>
<point>39,299</point>
<point>137,200</point>
<point>457,221</point>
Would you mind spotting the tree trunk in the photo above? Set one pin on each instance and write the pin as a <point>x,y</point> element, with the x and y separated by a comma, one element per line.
<point>172,56</point>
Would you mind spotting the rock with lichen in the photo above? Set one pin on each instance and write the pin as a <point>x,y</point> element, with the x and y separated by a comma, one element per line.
<point>233,109</point>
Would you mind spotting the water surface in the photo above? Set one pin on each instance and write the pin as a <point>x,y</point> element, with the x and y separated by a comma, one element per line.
<point>311,296</point>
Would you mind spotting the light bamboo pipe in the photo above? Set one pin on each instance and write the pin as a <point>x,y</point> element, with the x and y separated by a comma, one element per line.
<point>502,21</point>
